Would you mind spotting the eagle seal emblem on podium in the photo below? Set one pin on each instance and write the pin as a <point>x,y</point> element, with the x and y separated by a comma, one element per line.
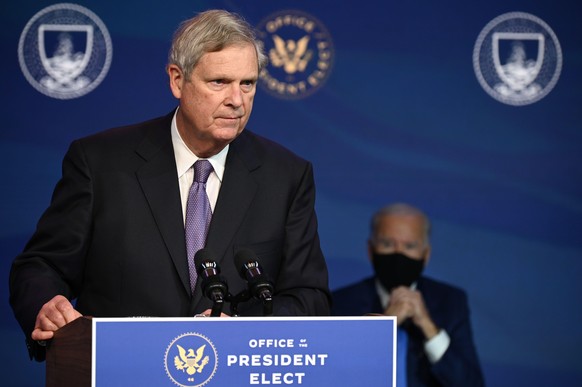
<point>191,360</point>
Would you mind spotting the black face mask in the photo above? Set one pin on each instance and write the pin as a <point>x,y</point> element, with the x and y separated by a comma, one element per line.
<point>396,269</point>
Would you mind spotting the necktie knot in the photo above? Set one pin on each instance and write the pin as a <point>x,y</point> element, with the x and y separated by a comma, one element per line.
<point>202,169</point>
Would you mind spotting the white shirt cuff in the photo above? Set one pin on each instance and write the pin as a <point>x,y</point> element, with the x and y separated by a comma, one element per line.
<point>436,347</point>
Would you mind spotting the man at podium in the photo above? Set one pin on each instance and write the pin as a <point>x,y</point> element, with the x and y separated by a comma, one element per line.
<point>434,331</point>
<point>116,236</point>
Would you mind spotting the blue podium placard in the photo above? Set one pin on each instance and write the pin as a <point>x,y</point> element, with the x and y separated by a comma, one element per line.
<point>244,351</point>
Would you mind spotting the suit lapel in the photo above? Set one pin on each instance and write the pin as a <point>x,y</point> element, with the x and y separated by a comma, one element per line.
<point>159,182</point>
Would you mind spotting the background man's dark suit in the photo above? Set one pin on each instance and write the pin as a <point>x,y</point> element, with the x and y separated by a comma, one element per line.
<point>115,231</point>
<point>449,309</point>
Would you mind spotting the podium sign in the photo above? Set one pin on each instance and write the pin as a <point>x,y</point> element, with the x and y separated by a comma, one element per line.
<point>244,351</point>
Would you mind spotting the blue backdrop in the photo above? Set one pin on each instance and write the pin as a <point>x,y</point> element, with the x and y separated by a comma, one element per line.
<point>396,114</point>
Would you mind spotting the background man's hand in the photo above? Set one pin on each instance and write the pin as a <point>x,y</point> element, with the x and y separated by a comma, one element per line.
<point>406,303</point>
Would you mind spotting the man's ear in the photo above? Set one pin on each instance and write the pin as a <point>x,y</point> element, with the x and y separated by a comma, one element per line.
<point>176,80</point>
<point>427,255</point>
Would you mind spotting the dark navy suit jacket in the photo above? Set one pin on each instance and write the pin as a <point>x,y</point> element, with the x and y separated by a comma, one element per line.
<point>449,310</point>
<point>113,236</point>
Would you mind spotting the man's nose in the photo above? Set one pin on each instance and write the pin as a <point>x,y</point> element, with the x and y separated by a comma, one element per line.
<point>234,97</point>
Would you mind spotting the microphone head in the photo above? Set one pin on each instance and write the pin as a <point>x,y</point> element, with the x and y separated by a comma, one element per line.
<point>208,269</point>
<point>259,285</point>
<point>205,265</point>
<point>246,260</point>
<point>213,285</point>
<point>201,256</point>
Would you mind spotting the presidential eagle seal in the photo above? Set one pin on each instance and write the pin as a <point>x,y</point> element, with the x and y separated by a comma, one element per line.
<point>65,51</point>
<point>300,52</point>
<point>517,58</point>
<point>191,360</point>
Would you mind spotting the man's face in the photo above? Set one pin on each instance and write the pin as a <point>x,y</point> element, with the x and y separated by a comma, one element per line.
<point>215,105</point>
<point>403,234</point>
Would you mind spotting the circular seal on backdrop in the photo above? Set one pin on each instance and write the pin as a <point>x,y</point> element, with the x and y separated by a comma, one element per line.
<point>65,51</point>
<point>191,360</point>
<point>517,58</point>
<point>300,51</point>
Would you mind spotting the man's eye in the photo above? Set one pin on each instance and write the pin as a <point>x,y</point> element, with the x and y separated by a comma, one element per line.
<point>247,85</point>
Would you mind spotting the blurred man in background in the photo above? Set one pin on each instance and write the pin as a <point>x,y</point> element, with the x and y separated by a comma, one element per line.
<point>434,331</point>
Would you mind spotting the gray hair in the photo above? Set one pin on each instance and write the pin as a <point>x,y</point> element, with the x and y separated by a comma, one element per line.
<point>211,31</point>
<point>399,209</point>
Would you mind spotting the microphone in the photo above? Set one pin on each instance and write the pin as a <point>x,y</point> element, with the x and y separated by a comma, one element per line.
<point>251,271</point>
<point>213,285</point>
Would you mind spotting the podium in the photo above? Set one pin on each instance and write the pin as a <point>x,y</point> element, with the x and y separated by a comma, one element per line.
<point>241,351</point>
<point>68,357</point>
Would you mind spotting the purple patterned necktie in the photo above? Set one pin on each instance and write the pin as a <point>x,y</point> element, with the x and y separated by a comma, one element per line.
<point>198,214</point>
